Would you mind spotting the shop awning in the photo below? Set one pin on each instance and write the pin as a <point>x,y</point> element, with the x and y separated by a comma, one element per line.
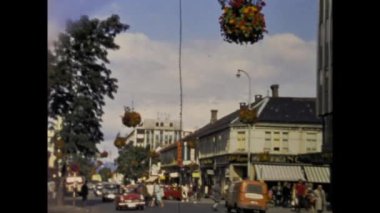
<point>279,172</point>
<point>317,174</point>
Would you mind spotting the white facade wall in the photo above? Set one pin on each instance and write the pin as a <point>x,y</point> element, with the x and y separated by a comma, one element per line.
<point>291,139</point>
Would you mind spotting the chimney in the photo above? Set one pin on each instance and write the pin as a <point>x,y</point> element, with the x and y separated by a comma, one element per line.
<point>258,98</point>
<point>274,88</point>
<point>214,117</point>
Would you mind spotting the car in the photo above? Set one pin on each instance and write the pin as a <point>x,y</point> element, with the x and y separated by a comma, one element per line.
<point>248,195</point>
<point>110,191</point>
<point>130,200</point>
<point>174,193</point>
<point>98,189</point>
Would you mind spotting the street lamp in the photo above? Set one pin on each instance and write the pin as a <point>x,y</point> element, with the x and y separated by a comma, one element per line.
<point>249,125</point>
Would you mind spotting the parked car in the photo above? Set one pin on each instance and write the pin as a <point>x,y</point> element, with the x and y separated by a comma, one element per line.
<point>130,199</point>
<point>110,191</point>
<point>98,189</point>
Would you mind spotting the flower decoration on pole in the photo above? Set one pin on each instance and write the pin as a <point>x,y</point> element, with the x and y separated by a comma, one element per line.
<point>104,154</point>
<point>59,143</point>
<point>74,167</point>
<point>131,118</point>
<point>242,21</point>
<point>246,115</point>
<point>119,142</point>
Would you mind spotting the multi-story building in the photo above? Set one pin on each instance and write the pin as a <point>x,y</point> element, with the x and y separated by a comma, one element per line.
<point>155,133</point>
<point>325,72</point>
<point>286,128</point>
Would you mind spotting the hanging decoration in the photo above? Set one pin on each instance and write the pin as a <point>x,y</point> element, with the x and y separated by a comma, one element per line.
<point>246,115</point>
<point>104,154</point>
<point>242,21</point>
<point>131,118</point>
<point>119,142</point>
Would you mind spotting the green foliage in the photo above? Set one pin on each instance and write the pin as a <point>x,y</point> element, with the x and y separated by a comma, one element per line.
<point>133,162</point>
<point>85,165</point>
<point>105,173</point>
<point>78,80</point>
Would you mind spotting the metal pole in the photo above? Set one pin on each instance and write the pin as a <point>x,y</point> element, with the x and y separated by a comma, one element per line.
<point>249,175</point>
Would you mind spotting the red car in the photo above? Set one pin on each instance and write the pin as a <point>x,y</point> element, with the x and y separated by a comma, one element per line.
<point>131,200</point>
<point>173,193</point>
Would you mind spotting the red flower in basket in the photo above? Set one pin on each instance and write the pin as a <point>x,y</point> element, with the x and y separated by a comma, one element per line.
<point>104,154</point>
<point>131,118</point>
<point>242,21</point>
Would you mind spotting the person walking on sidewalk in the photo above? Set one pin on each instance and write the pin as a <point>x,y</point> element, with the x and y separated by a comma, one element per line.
<point>320,195</point>
<point>216,196</point>
<point>84,193</point>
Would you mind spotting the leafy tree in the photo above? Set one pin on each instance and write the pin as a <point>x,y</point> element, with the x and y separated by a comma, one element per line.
<point>78,80</point>
<point>133,162</point>
<point>86,166</point>
<point>105,173</point>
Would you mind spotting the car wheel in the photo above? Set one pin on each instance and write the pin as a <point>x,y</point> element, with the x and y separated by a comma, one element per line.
<point>141,207</point>
<point>103,200</point>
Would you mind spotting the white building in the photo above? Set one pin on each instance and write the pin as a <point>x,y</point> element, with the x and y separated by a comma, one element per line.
<point>286,128</point>
<point>156,133</point>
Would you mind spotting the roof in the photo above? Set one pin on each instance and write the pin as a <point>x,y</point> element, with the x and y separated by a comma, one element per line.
<point>290,110</point>
<point>275,110</point>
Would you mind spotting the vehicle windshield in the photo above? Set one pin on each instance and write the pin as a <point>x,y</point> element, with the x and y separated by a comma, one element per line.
<point>254,189</point>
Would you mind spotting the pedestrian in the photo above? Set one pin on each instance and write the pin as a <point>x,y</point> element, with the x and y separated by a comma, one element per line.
<point>310,200</point>
<point>84,193</point>
<point>185,193</point>
<point>286,195</point>
<point>216,195</point>
<point>195,192</point>
<point>158,192</point>
<point>320,195</point>
<point>300,195</point>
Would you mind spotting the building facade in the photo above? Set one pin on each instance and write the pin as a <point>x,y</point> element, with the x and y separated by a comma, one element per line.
<point>285,129</point>
<point>325,72</point>
<point>155,133</point>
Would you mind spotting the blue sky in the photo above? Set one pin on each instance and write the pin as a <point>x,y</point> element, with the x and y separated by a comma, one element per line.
<point>146,65</point>
<point>159,18</point>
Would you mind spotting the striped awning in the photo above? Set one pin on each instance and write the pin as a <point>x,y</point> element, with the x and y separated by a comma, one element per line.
<point>317,174</point>
<point>278,172</point>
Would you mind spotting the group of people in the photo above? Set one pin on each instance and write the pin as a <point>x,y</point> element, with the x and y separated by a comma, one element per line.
<point>300,195</point>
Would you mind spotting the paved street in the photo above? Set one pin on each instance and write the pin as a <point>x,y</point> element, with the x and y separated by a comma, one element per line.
<point>95,205</point>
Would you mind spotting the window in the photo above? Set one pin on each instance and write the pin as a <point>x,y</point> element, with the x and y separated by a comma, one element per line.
<point>285,149</point>
<point>276,149</point>
<point>171,124</point>
<point>241,140</point>
<point>161,124</point>
<point>157,124</point>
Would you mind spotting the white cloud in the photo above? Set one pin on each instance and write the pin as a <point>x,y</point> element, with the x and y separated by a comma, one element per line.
<point>148,75</point>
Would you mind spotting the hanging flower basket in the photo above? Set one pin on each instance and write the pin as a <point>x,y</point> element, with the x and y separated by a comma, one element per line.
<point>242,21</point>
<point>58,154</point>
<point>104,154</point>
<point>74,167</point>
<point>246,115</point>
<point>59,143</point>
<point>131,118</point>
<point>119,142</point>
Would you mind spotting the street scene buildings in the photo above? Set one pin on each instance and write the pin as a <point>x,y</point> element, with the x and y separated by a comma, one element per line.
<point>281,141</point>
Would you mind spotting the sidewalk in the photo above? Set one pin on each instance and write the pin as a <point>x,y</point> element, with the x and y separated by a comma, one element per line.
<point>65,209</point>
